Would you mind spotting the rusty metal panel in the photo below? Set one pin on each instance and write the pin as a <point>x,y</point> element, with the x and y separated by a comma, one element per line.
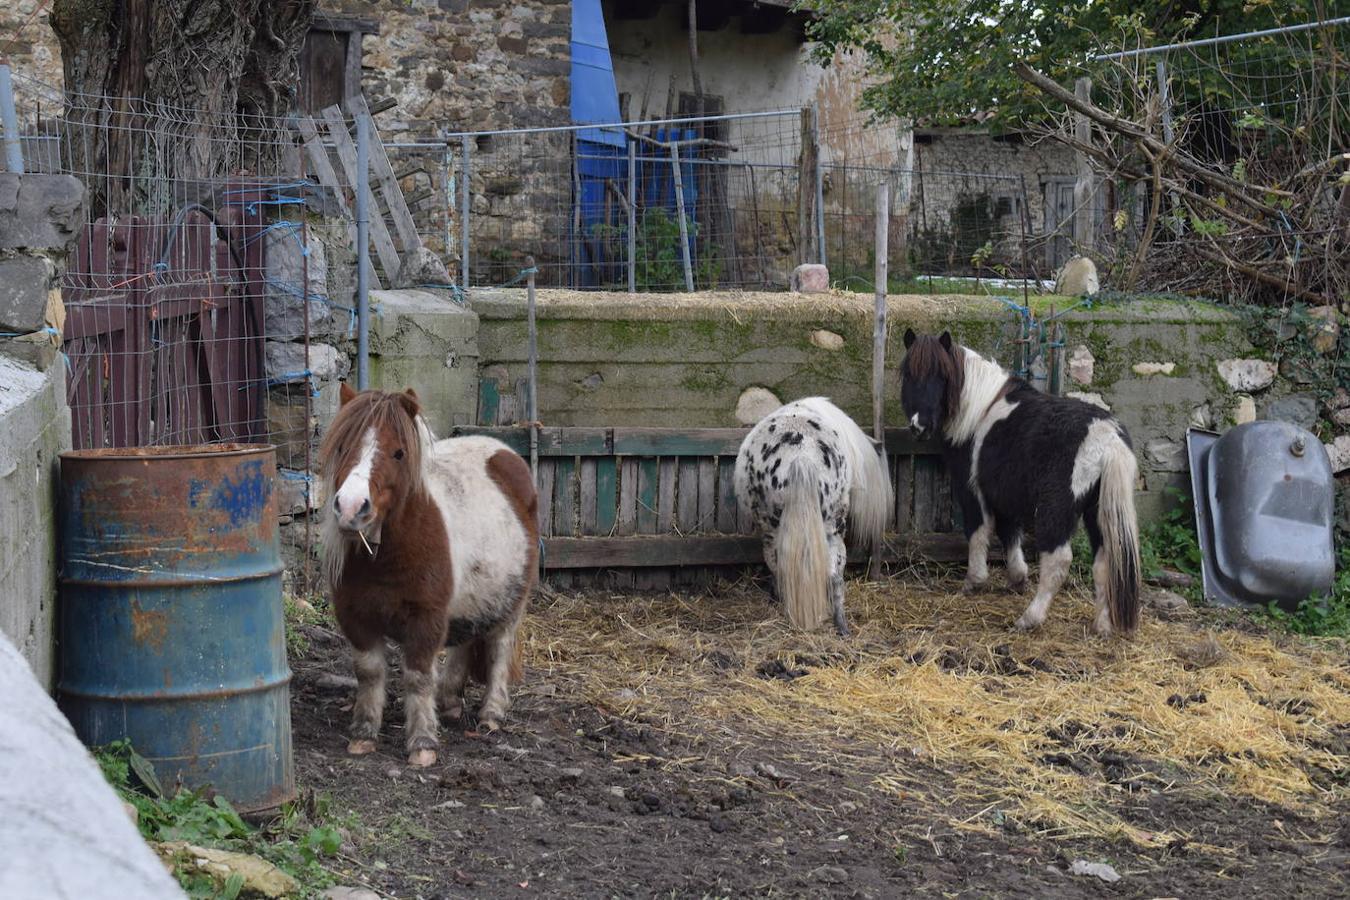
<point>171,626</point>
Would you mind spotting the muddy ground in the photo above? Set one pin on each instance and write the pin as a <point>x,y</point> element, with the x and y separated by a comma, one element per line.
<point>581,796</point>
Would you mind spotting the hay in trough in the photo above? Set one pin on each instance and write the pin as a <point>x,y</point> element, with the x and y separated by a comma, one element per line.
<point>935,679</point>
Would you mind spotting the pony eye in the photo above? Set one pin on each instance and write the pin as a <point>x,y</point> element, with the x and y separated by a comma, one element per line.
<point>398,454</point>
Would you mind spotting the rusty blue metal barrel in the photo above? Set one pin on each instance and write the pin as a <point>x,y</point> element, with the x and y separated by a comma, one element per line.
<point>172,632</point>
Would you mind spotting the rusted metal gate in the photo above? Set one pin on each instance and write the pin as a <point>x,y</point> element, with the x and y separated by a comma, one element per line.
<point>164,328</point>
<point>650,507</point>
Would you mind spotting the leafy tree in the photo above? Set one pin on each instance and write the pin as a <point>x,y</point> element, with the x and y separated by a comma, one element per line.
<point>945,62</point>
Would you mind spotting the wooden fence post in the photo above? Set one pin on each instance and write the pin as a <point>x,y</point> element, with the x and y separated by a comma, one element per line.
<point>882,275</point>
<point>808,171</point>
<point>1084,193</point>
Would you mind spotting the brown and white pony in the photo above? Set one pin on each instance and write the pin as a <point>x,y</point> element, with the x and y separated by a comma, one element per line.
<point>434,544</point>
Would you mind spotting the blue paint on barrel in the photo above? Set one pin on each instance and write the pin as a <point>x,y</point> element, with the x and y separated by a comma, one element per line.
<point>172,632</point>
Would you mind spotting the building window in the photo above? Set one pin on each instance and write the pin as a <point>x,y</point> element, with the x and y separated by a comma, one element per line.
<point>712,106</point>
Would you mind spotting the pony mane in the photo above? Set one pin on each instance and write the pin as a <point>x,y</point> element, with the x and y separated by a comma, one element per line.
<point>342,443</point>
<point>983,380</point>
<point>870,497</point>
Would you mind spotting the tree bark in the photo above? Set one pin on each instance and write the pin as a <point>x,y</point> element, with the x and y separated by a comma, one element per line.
<point>207,79</point>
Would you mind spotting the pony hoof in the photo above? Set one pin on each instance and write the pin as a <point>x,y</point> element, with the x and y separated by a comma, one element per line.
<point>360,746</point>
<point>1018,587</point>
<point>972,587</point>
<point>490,724</point>
<point>420,759</point>
<point>1026,624</point>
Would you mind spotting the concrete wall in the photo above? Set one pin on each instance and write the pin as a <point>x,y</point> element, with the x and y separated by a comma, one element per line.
<point>684,361</point>
<point>34,428</point>
<point>39,219</point>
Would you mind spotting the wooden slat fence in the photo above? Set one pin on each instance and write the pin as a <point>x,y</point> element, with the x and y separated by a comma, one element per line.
<point>648,508</point>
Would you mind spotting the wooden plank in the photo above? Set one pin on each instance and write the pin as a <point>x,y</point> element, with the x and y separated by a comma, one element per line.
<point>942,489</point>
<point>707,495</point>
<point>665,500</point>
<point>545,490</point>
<point>553,441</point>
<point>648,479</point>
<point>628,491</point>
<point>323,168</point>
<point>726,495</point>
<point>388,182</point>
<point>489,402</point>
<point>903,442</point>
<point>587,497</point>
<point>678,441</point>
<point>904,495</point>
<point>564,496</point>
<point>686,496</point>
<point>925,501</point>
<point>346,149</point>
<point>664,551</point>
<point>606,495</point>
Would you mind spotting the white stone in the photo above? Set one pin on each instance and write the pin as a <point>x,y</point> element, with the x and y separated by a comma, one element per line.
<point>810,278</point>
<point>1154,368</point>
<point>1247,374</point>
<point>286,361</point>
<point>1325,330</point>
<point>1078,278</point>
<point>1162,598</point>
<point>1081,363</point>
<point>1096,870</point>
<point>1338,451</point>
<point>827,340</point>
<point>1089,397</point>
<point>754,404</point>
<point>351,893</point>
<point>1169,456</point>
<point>1245,411</point>
<point>1202,417</point>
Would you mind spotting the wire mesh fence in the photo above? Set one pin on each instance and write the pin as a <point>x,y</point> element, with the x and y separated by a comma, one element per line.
<point>727,201</point>
<point>198,300</point>
<point>1228,176</point>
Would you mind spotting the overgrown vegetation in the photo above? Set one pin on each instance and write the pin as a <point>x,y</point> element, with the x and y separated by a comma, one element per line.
<point>660,262</point>
<point>298,841</point>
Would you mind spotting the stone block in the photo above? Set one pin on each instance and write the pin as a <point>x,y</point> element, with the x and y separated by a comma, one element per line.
<point>286,361</point>
<point>24,285</point>
<point>40,212</point>
<point>1081,363</point>
<point>284,307</point>
<point>1078,278</point>
<point>827,340</point>
<point>1296,409</point>
<point>810,278</point>
<point>754,404</point>
<point>1247,374</point>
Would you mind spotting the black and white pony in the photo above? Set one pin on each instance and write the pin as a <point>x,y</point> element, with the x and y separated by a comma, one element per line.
<point>806,472</point>
<point>1020,458</point>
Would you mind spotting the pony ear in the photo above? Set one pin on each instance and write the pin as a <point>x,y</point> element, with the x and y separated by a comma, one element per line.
<point>910,338</point>
<point>346,394</point>
<point>946,341</point>
<point>410,402</point>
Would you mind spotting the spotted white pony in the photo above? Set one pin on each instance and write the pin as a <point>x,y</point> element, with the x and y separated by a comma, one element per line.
<point>808,473</point>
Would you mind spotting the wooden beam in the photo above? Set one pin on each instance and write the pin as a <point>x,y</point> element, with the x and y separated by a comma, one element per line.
<point>379,233</point>
<point>585,441</point>
<point>669,550</point>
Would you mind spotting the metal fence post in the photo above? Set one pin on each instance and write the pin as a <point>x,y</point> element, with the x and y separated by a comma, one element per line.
<point>9,118</point>
<point>464,197</point>
<point>362,253</point>
<point>632,216</point>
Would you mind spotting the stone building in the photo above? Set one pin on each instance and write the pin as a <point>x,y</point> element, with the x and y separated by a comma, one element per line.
<point>454,66</point>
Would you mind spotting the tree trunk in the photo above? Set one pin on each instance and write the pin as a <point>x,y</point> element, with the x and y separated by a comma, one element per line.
<point>165,93</point>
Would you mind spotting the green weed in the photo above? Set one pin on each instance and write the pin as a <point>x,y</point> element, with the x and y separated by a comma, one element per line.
<point>297,842</point>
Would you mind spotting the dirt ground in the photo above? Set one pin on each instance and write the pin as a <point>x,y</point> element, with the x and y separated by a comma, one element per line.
<point>680,746</point>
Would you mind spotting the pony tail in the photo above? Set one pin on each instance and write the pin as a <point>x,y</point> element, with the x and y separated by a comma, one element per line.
<point>1120,536</point>
<point>870,498</point>
<point>803,558</point>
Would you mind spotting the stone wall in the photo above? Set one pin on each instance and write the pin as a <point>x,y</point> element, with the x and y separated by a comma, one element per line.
<point>689,361</point>
<point>39,218</point>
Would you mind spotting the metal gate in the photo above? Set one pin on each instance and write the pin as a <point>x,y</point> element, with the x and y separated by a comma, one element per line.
<point>164,328</point>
